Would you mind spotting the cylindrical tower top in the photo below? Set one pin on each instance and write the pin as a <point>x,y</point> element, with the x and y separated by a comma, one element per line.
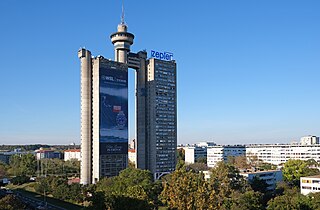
<point>122,40</point>
<point>122,28</point>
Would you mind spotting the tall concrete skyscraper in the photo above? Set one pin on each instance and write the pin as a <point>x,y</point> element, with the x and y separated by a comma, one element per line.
<point>104,110</point>
<point>157,117</point>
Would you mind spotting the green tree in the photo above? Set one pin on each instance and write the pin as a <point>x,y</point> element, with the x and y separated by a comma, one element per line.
<point>267,166</point>
<point>294,169</point>
<point>23,165</point>
<point>248,200</point>
<point>290,202</point>
<point>61,192</point>
<point>202,160</point>
<point>224,181</point>
<point>131,183</point>
<point>180,154</point>
<point>240,162</point>
<point>197,167</point>
<point>185,190</point>
<point>315,200</point>
<point>11,202</point>
<point>18,180</point>
<point>180,164</point>
<point>258,185</point>
<point>3,170</point>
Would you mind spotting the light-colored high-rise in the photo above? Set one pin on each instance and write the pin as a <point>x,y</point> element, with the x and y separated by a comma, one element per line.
<point>104,110</point>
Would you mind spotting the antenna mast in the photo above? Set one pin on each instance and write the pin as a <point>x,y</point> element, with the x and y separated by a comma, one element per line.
<point>122,16</point>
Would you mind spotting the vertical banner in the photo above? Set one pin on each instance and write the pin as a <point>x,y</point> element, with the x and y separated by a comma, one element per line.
<point>113,109</point>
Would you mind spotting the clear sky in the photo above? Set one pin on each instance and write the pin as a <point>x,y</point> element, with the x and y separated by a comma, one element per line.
<point>248,70</point>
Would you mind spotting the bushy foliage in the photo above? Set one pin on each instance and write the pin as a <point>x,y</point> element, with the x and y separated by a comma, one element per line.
<point>11,202</point>
<point>23,165</point>
<point>187,189</point>
<point>131,186</point>
<point>18,180</point>
<point>294,169</point>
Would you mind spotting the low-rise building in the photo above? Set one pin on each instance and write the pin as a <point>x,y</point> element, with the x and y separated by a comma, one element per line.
<point>50,154</point>
<point>216,154</point>
<point>271,177</point>
<point>278,154</point>
<point>192,154</point>
<point>6,155</point>
<point>310,184</point>
<point>72,154</point>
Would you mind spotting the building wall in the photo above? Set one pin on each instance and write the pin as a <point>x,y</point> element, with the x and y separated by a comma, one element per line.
<point>216,154</point>
<point>86,114</point>
<point>309,184</point>
<point>142,143</point>
<point>161,116</point>
<point>72,154</point>
<point>189,155</point>
<point>94,164</point>
<point>281,153</point>
<point>95,120</point>
<point>271,177</point>
<point>193,153</point>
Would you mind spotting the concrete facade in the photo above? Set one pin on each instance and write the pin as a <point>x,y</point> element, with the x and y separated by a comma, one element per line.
<point>94,164</point>
<point>86,114</point>
<point>216,154</point>
<point>156,111</point>
<point>72,154</point>
<point>271,177</point>
<point>193,153</point>
<point>278,154</point>
<point>310,184</point>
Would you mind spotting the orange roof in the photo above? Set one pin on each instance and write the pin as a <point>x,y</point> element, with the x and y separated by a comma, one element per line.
<point>72,150</point>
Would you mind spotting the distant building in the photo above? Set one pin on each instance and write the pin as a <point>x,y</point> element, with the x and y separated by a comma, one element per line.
<point>132,156</point>
<point>205,144</point>
<point>72,154</point>
<point>271,177</point>
<point>47,154</point>
<point>309,140</point>
<point>310,184</point>
<point>6,155</point>
<point>216,154</point>
<point>278,154</point>
<point>193,153</point>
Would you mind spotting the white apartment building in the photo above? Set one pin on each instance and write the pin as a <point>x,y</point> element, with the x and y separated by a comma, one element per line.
<point>72,154</point>
<point>310,184</point>
<point>271,177</point>
<point>193,153</point>
<point>278,154</point>
<point>221,153</point>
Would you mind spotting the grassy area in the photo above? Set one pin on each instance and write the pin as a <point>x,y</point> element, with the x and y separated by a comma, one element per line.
<point>28,191</point>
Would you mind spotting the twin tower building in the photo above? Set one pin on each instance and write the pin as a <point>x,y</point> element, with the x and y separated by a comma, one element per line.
<point>104,110</point>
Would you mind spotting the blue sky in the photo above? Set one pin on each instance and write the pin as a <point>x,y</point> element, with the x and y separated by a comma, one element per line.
<point>248,70</point>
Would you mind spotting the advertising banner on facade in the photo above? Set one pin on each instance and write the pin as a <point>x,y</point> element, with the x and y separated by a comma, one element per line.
<point>113,110</point>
